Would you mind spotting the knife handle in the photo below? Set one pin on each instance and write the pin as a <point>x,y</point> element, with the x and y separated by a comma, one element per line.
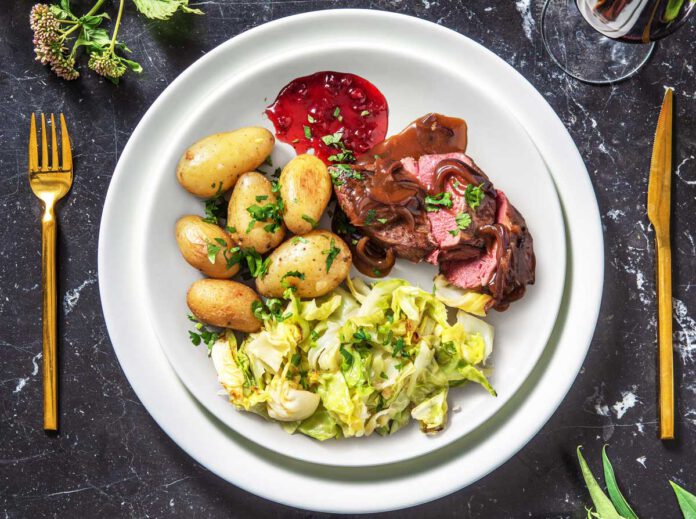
<point>664,331</point>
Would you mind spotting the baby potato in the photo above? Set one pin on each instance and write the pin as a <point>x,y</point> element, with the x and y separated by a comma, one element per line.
<point>305,187</point>
<point>254,194</point>
<point>194,236</point>
<point>224,303</point>
<point>214,163</point>
<point>314,264</point>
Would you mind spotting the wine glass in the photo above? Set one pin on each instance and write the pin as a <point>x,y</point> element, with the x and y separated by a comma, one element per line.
<point>605,41</point>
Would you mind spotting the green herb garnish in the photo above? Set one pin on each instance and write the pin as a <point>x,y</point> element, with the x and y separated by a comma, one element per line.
<point>473,195</point>
<point>370,217</point>
<point>364,113</point>
<point>307,132</point>
<point>310,220</point>
<point>463,221</point>
<point>331,253</point>
<point>362,335</point>
<point>202,334</point>
<point>436,202</point>
<point>292,274</point>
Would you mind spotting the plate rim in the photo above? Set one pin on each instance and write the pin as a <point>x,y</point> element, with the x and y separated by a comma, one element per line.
<point>593,268</point>
<point>316,453</point>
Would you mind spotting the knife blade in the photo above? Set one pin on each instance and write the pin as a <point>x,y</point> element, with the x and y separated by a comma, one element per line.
<point>659,206</point>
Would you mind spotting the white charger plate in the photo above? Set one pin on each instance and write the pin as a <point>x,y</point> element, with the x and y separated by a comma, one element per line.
<point>497,142</point>
<point>123,281</point>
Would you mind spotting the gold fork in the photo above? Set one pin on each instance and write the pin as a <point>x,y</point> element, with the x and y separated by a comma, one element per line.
<point>49,184</point>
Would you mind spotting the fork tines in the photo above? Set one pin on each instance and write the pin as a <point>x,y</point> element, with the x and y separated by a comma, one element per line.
<point>66,163</point>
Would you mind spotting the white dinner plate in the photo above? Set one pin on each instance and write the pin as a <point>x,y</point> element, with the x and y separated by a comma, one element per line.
<point>140,184</point>
<point>413,85</point>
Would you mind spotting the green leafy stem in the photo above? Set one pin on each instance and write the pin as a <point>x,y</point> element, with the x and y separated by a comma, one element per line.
<point>615,506</point>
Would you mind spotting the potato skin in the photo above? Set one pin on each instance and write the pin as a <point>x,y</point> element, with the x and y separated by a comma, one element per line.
<point>224,303</point>
<point>305,187</point>
<point>249,186</point>
<point>306,254</point>
<point>193,236</point>
<point>222,158</point>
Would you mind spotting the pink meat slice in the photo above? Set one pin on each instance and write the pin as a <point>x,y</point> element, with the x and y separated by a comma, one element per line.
<point>443,221</point>
<point>475,273</point>
<point>471,274</point>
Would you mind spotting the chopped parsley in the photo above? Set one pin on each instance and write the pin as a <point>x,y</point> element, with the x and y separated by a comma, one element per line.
<point>272,309</point>
<point>437,202</point>
<point>336,177</point>
<point>215,206</point>
<point>398,347</point>
<point>337,114</point>
<point>202,334</point>
<point>370,217</point>
<point>213,249</point>
<point>382,220</point>
<point>332,138</point>
<point>335,140</point>
<point>473,195</point>
<point>310,220</point>
<point>364,113</point>
<point>311,119</point>
<point>269,161</point>
<point>258,267</point>
<point>292,274</point>
<point>231,229</point>
<point>463,222</point>
<point>272,213</point>
<point>376,272</point>
<point>342,225</point>
<point>362,335</point>
<point>347,359</point>
<point>307,132</point>
<point>331,253</point>
<point>299,239</point>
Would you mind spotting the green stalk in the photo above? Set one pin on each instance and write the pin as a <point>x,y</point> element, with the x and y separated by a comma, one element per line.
<point>77,25</point>
<point>116,26</point>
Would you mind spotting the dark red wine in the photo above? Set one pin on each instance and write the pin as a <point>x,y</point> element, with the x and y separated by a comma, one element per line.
<point>636,21</point>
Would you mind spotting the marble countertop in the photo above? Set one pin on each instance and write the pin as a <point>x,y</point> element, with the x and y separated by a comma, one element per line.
<point>111,458</point>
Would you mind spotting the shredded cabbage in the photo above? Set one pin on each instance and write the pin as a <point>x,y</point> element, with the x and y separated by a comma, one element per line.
<point>466,300</point>
<point>356,361</point>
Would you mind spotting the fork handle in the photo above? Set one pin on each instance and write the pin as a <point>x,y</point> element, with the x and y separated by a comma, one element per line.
<point>48,262</point>
<point>664,331</point>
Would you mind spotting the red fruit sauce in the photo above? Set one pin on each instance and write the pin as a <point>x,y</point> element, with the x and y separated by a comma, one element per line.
<point>326,103</point>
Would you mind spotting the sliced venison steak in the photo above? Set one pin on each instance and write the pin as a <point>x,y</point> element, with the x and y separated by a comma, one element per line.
<point>438,207</point>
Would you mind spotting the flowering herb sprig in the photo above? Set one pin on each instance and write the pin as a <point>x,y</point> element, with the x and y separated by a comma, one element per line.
<point>59,34</point>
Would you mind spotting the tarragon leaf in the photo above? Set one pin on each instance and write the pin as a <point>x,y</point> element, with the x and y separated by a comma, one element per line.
<point>686,500</point>
<point>602,503</point>
<point>617,498</point>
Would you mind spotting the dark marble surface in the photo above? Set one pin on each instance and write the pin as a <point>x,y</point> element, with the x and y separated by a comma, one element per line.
<point>111,459</point>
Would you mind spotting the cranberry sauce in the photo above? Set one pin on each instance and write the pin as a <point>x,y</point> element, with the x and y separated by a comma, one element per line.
<point>339,115</point>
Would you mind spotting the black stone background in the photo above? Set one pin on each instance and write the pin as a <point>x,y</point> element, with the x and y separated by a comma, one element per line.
<point>112,460</point>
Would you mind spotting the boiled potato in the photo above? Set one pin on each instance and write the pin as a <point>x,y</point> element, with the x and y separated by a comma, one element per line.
<point>305,187</point>
<point>214,163</point>
<point>196,239</point>
<point>224,303</point>
<point>253,192</point>
<point>302,262</point>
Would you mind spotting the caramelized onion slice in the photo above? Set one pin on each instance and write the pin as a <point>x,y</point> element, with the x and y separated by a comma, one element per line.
<point>371,259</point>
<point>461,170</point>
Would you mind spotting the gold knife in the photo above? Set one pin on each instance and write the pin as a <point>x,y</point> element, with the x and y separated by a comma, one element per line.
<point>659,207</point>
